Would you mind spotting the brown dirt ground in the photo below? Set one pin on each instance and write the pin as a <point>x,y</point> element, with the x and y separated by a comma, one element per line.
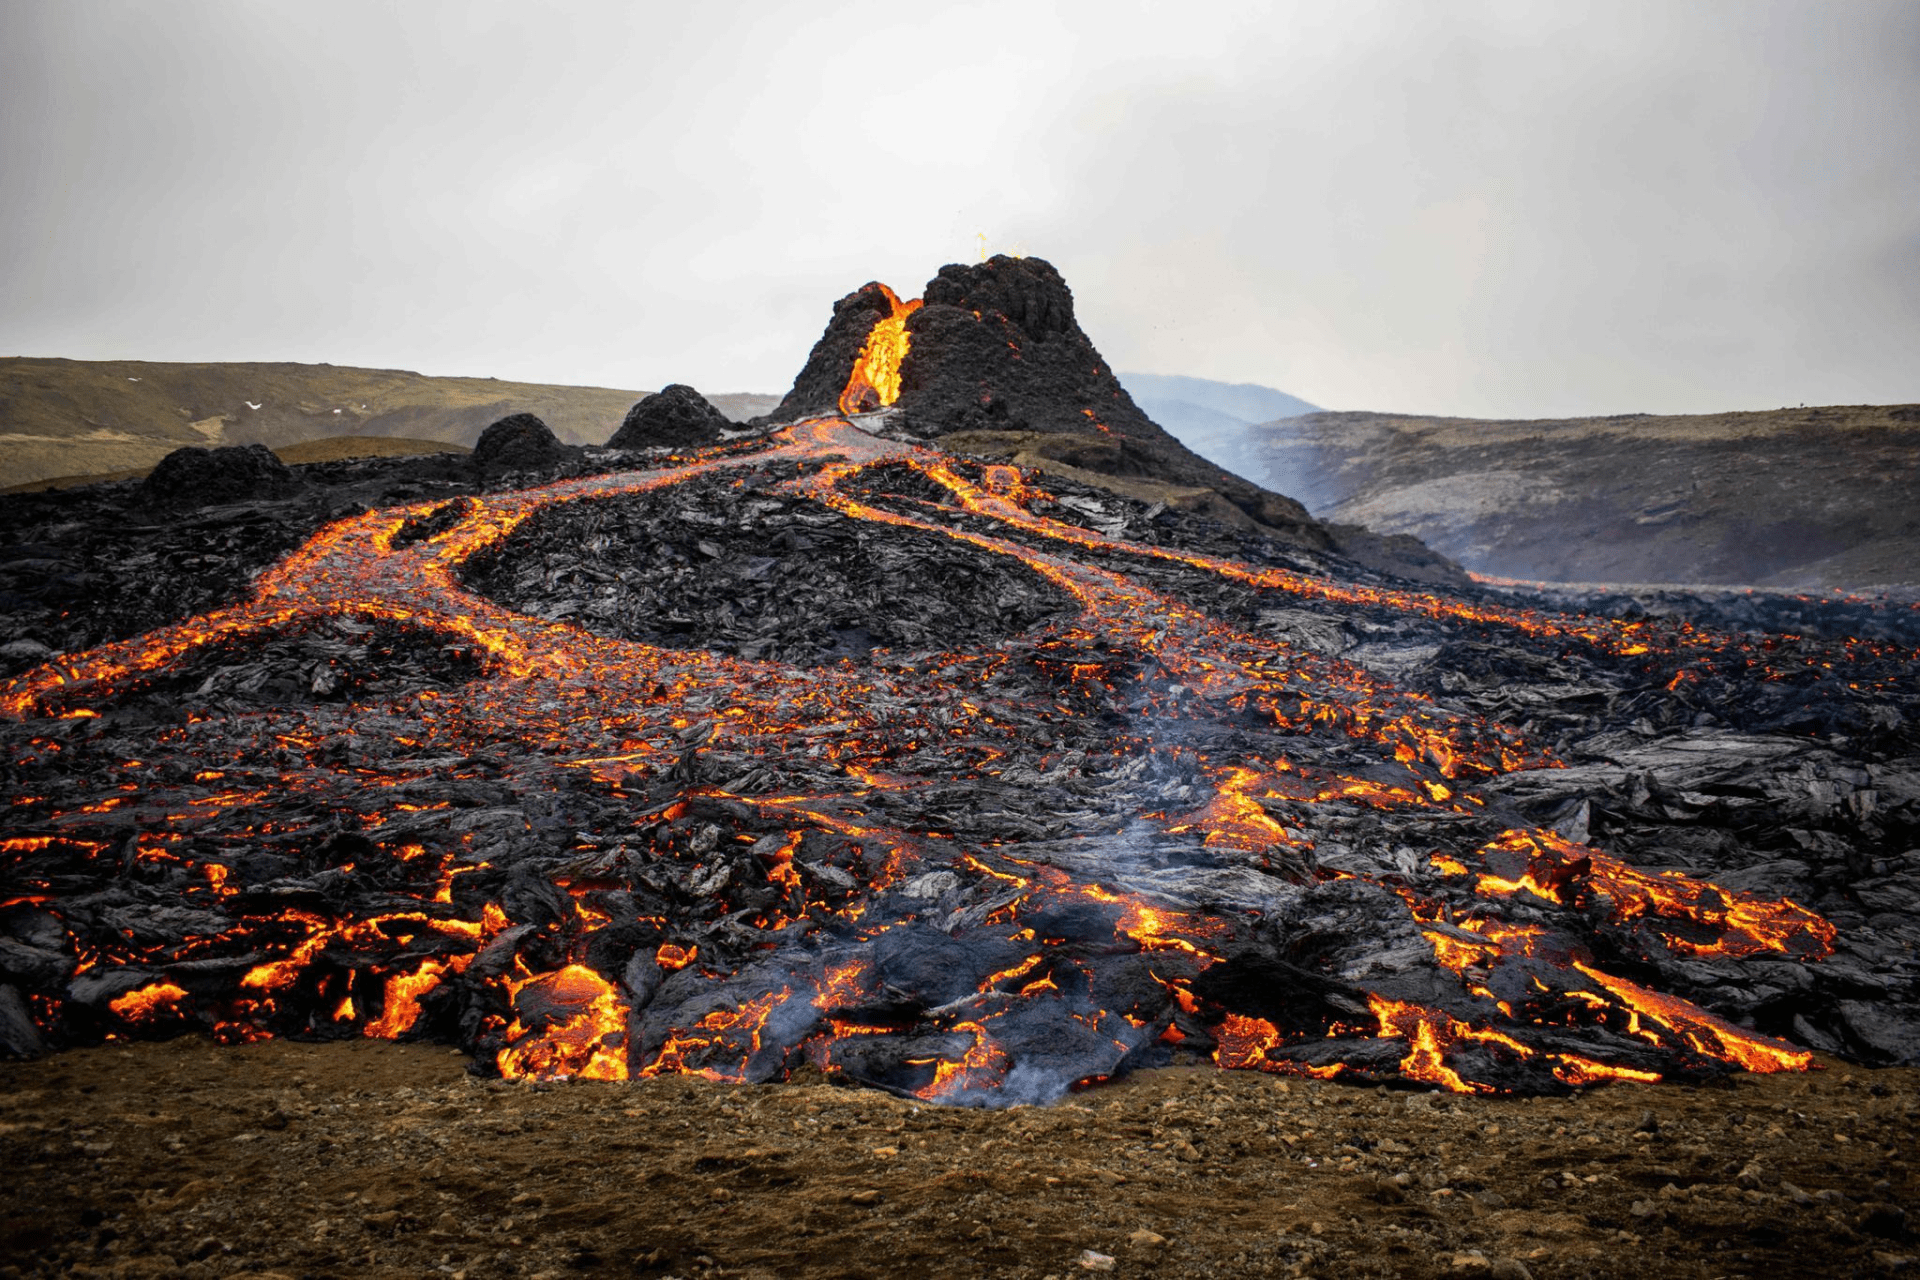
<point>374,1159</point>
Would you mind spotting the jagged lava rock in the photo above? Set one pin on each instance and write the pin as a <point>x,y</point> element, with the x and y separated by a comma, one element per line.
<point>196,477</point>
<point>674,416</point>
<point>519,442</point>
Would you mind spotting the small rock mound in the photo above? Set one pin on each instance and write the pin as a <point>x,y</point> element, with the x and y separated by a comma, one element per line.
<point>677,415</point>
<point>517,443</point>
<point>197,477</point>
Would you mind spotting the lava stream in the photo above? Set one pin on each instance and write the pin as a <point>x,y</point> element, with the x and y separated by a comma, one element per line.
<point>609,709</point>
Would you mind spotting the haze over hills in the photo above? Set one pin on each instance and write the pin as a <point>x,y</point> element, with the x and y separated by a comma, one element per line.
<point>1794,498</point>
<point>92,417</point>
<point>1247,401</point>
<point>1214,419</point>
<point>1798,498</point>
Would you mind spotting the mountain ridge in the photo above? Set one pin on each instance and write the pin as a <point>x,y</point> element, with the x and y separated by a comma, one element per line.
<point>1248,401</point>
<point>1817,497</point>
<point>61,417</point>
<point>1211,418</point>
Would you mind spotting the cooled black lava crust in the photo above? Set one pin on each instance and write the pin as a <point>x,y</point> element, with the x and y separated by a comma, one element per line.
<point>766,575</point>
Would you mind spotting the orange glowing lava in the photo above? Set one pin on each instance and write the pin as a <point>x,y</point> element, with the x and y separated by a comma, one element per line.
<point>602,708</point>
<point>875,381</point>
<point>580,1030</point>
<point>150,1003</point>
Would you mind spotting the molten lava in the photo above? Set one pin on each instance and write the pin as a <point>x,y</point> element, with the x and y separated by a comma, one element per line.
<point>875,381</point>
<point>1087,939</point>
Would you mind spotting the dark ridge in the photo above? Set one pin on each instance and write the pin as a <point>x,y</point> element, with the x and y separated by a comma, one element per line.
<point>692,567</point>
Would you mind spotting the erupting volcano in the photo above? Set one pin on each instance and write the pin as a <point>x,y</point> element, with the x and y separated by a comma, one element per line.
<point>828,746</point>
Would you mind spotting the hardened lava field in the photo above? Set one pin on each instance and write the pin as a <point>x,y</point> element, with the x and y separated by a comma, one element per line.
<point>709,564</point>
<point>834,751</point>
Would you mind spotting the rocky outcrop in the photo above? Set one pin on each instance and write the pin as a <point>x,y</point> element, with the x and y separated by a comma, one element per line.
<point>672,417</point>
<point>196,477</point>
<point>520,442</point>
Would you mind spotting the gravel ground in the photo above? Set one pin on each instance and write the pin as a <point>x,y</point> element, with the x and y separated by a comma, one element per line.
<point>377,1159</point>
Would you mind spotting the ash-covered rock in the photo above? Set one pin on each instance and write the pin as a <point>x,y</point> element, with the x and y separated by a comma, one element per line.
<point>676,416</point>
<point>519,442</point>
<point>196,477</point>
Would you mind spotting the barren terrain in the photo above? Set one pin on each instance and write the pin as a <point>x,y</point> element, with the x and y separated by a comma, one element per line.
<point>375,1159</point>
<point>1799,498</point>
<point>113,418</point>
<point>324,449</point>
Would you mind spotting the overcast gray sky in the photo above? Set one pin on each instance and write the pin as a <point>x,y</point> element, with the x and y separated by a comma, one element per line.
<point>1493,209</point>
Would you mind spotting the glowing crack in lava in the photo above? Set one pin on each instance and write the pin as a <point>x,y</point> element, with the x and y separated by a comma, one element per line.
<point>859,926</point>
<point>875,381</point>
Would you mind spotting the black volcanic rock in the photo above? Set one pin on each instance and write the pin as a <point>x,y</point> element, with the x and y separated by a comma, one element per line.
<point>996,347</point>
<point>695,571</point>
<point>1037,786</point>
<point>674,416</point>
<point>517,443</point>
<point>817,390</point>
<point>196,477</point>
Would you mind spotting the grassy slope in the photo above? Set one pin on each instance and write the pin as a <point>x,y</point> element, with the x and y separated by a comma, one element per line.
<point>79,417</point>
<point>1790,497</point>
<point>325,449</point>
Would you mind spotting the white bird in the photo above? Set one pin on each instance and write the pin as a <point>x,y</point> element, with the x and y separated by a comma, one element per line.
<point>133,379</point>
<point>250,404</point>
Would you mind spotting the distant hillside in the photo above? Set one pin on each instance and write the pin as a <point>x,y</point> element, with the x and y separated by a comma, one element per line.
<point>81,417</point>
<point>323,449</point>
<point>1796,498</point>
<point>1212,418</point>
<point>1247,401</point>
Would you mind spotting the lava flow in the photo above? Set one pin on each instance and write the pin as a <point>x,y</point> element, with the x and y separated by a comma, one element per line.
<point>981,875</point>
<point>875,382</point>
